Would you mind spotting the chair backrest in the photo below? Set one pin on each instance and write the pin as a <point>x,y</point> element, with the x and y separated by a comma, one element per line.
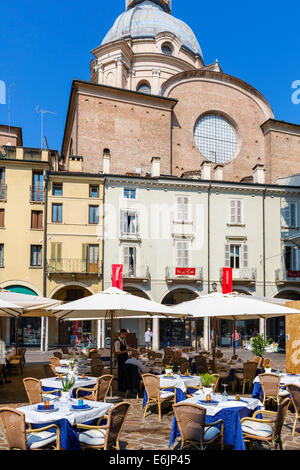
<point>33,389</point>
<point>22,351</point>
<point>58,355</point>
<point>294,391</point>
<point>270,384</point>
<point>94,354</point>
<point>280,417</point>
<point>13,423</point>
<point>201,365</point>
<point>266,362</point>
<point>48,371</point>
<point>258,360</point>
<point>191,421</point>
<point>103,386</point>
<point>215,386</point>
<point>96,368</point>
<point>185,366</point>
<point>152,385</point>
<point>65,350</point>
<point>250,368</point>
<point>54,361</point>
<point>115,423</point>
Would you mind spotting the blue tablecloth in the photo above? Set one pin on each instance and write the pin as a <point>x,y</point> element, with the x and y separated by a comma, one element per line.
<point>231,417</point>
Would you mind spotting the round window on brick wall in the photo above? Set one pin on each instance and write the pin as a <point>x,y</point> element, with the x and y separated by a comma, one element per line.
<point>215,138</point>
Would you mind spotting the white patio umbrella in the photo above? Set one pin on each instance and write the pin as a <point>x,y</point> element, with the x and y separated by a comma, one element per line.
<point>232,306</point>
<point>8,309</point>
<point>112,304</point>
<point>32,305</point>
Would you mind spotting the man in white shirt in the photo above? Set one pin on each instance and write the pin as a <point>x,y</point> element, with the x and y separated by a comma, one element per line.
<point>134,360</point>
<point>2,352</point>
<point>148,338</point>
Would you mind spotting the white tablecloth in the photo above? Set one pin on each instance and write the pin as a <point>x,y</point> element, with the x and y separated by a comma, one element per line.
<point>211,410</point>
<point>66,362</point>
<point>65,411</point>
<point>180,382</point>
<point>285,379</point>
<point>54,383</point>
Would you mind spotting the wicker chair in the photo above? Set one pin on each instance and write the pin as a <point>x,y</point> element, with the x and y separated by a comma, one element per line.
<point>266,362</point>
<point>155,393</point>
<point>294,391</point>
<point>48,371</point>
<point>22,352</point>
<point>100,391</point>
<point>185,367</point>
<point>266,430</point>
<point>93,353</point>
<point>104,437</point>
<point>258,360</point>
<point>143,350</point>
<point>54,361</point>
<point>193,429</point>
<point>65,350</point>
<point>177,363</point>
<point>201,365</point>
<point>96,367</point>
<point>16,363</point>
<point>247,377</point>
<point>2,367</point>
<point>58,355</point>
<point>35,392</point>
<point>270,384</point>
<point>22,438</point>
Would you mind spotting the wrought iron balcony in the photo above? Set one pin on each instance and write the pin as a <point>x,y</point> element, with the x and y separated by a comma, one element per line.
<point>36,194</point>
<point>136,274</point>
<point>174,274</point>
<point>242,274</point>
<point>74,266</point>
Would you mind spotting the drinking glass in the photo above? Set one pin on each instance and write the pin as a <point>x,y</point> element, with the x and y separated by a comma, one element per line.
<point>225,394</point>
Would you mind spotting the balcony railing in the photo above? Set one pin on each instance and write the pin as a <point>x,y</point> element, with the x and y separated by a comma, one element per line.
<point>36,194</point>
<point>3,192</point>
<point>174,273</point>
<point>73,266</point>
<point>242,274</point>
<point>140,273</point>
<point>283,275</point>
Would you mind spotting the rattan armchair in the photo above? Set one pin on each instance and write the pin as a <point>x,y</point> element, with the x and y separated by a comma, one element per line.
<point>58,355</point>
<point>105,437</point>
<point>294,391</point>
<point>185,367</point>
<point>65,350</point>
<point>270,384</point>
<point>201,365</point>
<point>267,429</point>
<point>16,363</point>
<point>49,371</point>
<point>54,361</point>
<point>97,367</point>
<point>157,394</point>
<point>22,438</point>
<point>258,360</point>
<point>35,392</point>
<point>2,368</point>
<point>266,362</point>
<point>99,392</point>
<point>193,429</point>
<point>248,374</point>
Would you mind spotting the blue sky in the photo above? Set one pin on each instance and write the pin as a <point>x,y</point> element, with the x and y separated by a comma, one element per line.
<point>44,45</point>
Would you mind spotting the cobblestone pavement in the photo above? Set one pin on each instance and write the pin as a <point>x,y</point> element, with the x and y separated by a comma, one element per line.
<point>138,433</point>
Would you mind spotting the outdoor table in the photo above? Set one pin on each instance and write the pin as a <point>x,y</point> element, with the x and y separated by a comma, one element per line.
<point>181,384</point>
<point>285,379</point>
<point>53,383</point>
<point>66,370</point>
<point>230,411</point>
<point>66,418</point>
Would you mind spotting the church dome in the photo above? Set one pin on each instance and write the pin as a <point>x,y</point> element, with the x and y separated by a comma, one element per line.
<point>146,20</point>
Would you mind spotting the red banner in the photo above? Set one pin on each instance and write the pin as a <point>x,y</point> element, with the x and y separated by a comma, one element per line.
<point>185,271</point>
<point>227,281</point>
<point>117,276</point>
<point>293,274</point>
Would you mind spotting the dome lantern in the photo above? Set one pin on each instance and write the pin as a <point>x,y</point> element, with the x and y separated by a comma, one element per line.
<point>166,5</point>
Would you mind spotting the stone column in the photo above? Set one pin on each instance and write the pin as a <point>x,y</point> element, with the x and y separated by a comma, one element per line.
<point>119,74</point>
<point>42,333</point>
<point>262,327</point>
<point>46,334</point>
<point>206,333</point>
<point>155,337</point>
<point>155,83</point>
<point>100,74</point>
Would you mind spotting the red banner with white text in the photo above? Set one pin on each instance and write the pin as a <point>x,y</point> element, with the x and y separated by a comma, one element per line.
<point>227,281</point>
<point>117,276</point>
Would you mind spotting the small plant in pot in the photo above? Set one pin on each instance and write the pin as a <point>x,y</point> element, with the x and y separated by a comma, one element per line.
<point>67,385</point>
<point>208,381</point>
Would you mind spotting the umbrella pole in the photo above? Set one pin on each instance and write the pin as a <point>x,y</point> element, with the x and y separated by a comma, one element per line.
<point>214,343</point>
<point>111,341</point>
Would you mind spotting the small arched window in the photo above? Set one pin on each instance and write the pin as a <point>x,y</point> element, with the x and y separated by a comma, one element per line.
<point>167,49</point>
<point>144,88</point>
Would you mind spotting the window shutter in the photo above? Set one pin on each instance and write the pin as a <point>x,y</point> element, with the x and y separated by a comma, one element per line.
<point>186,254</point>
<point>292,214</point>
<point>1,217</point>
<point>40,220</point>
<point>227,256</point>
<point>179,254</point>
<point>126,259</point>
<point>232,211</point>
<point>245,256</point>
<point>238,212</point>
<point>179,208</point>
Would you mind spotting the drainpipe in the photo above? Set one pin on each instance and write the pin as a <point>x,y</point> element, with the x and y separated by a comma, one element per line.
<point>44,320</point>
<point>206,319</point>
<point>264,255</point>
<point>101,323</point>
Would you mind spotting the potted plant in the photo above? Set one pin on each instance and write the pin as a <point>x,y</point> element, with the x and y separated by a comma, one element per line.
<point>259,345</point>
<point>207,381</point>
<point>67,385</point>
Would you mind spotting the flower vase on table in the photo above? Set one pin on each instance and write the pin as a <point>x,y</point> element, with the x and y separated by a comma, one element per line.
<point>67,386</point>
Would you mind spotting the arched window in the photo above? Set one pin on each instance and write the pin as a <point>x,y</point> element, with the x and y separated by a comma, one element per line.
<point>215,138</point>
<point>167,49</point>
<point>144,88</point>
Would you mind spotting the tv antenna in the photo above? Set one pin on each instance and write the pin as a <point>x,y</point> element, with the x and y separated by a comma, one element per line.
<point>42,111</point>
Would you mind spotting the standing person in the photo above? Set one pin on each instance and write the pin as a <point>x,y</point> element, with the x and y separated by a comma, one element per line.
<point>235,337</point>
<point>121,351</point>
<point>148,338</point>
<point>3,356</point>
